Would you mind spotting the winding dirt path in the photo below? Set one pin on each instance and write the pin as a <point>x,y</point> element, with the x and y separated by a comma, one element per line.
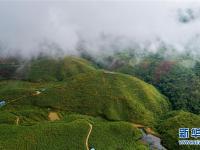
<point>87,138</point>
<point>17,120</point>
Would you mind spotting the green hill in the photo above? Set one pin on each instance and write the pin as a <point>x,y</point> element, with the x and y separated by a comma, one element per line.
<point>44,136</point>
<point>85,99</point>
<point>110,95</point>
<point>70,133</point>
<point>49,69</point>
<point>170,125</point>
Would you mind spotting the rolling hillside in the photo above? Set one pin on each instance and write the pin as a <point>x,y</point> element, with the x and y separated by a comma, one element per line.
<point>70,132</point>
<point>49,69</point>
<point>110,95</point>
<point>85,100</point>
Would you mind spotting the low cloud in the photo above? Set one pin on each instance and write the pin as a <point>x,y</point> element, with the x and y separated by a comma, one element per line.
<point>57,28</point>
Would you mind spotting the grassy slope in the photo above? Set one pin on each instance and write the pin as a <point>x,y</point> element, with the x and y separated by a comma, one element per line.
<point>70,133</point>
<point>44,136</point>
<point>112,96</point>
<point>84,90</point>
<point>170,125</point>
<point>55,69</point>
<point>117,135</point>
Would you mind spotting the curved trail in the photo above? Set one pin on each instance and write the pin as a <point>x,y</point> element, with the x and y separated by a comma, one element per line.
<point>17,121</point>
<point>13,100</point>
<point>87,138</point>
<point>33,94</point>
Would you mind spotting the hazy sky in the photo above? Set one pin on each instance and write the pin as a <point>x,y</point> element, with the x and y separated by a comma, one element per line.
<point>24,24</point>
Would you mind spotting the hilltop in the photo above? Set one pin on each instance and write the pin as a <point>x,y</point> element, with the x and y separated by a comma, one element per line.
<point>50,69</point>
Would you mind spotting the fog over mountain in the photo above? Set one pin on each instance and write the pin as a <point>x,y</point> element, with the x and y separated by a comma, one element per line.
<point>29,28</point>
